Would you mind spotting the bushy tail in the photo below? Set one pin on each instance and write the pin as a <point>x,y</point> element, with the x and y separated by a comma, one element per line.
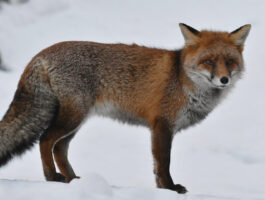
<point>29,115</point>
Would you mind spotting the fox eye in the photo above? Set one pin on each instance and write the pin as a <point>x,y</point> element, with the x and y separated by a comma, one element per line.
<point>209,62</point>
<point>229,62</point>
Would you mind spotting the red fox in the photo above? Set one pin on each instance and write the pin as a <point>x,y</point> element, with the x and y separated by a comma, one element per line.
<point>164,90</point>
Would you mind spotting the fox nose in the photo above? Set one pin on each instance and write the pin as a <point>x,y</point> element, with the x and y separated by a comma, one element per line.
<point>224,80</point>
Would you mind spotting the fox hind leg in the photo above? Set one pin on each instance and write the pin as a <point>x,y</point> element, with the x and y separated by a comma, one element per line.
<point>67,121</point>
<point>48,146</point>
<point>47,142</point>
<point>60,153</point>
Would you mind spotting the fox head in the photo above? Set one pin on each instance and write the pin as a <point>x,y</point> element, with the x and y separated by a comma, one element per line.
<point>213,59</point>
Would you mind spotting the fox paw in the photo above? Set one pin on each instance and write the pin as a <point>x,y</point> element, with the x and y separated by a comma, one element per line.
<point>69,179</point>
<point>57,177</point>
<point>179,189</point>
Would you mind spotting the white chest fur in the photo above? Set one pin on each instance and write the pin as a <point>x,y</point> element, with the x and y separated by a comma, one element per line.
<point>201,103</point>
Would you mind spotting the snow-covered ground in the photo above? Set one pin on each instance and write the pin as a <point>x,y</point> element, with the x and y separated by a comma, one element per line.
<point>221,158</point>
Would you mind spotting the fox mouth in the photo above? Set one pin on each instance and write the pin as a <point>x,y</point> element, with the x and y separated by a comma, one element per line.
<point>220,86</point>
<point>209,80</point>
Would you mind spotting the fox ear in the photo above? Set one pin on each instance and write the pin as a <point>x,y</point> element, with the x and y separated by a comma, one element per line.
<point>240,35</point>
<point>190,34</point>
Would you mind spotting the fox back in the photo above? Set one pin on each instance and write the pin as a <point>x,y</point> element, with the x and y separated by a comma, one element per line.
<point>163,90</point>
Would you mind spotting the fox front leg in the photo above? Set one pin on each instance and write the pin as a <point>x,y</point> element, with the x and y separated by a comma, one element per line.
<point>161,147</point>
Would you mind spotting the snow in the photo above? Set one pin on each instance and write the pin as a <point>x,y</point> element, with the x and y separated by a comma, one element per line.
<point>221,158</point>
<point>91,187</point>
